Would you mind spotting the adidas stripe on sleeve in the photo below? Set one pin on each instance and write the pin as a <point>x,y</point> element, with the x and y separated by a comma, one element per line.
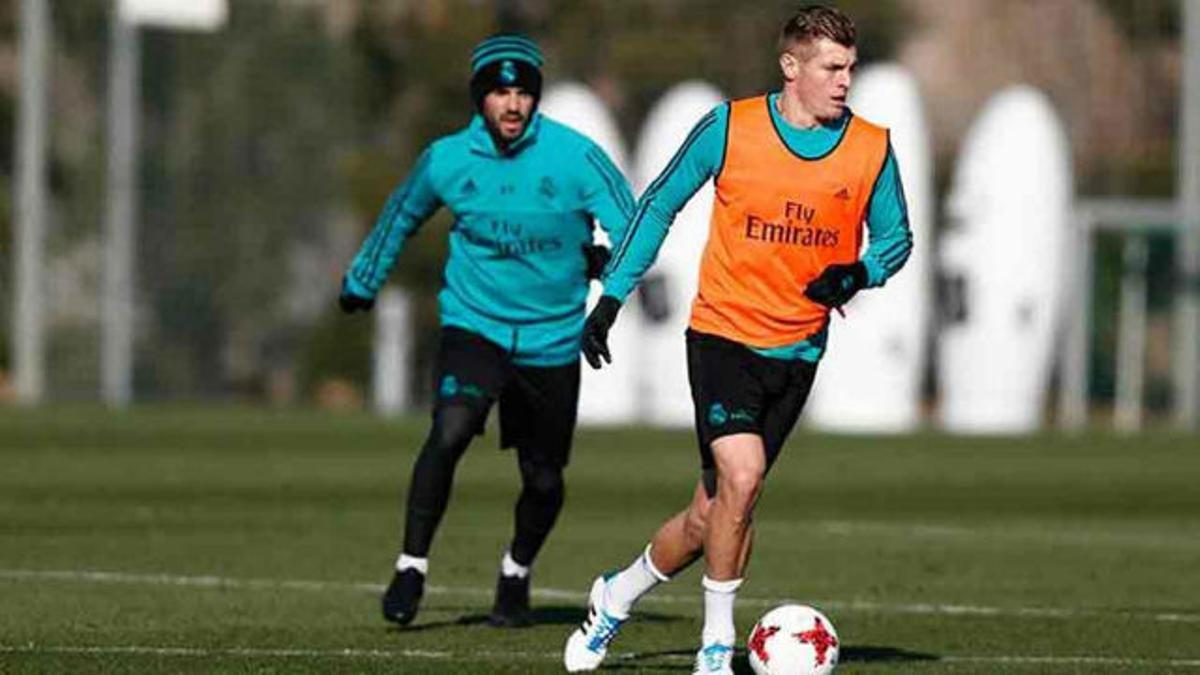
<point>698,159</point>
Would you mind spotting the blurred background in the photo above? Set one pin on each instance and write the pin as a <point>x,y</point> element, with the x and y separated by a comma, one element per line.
<point>266,145</point>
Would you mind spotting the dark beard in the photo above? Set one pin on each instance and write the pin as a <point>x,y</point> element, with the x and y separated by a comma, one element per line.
<point>502,143</point>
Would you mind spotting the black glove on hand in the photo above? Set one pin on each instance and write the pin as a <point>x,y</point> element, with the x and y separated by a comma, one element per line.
<point>351,303</point>
<point>597,257</point>
<point>837,284</point>
<point>595,330</point>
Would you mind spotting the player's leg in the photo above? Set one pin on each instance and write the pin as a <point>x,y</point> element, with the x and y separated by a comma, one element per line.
<point>742,463</point>
<point>469,374</point>
<point>788,386</point>
<point>537,509</point>
<point>679,540</point>
<point>728,397</point>
<point>676,544</point>
<point>537,415</point>
<point>433,473</point>
<point>729,389</point>
<point>428,495</point>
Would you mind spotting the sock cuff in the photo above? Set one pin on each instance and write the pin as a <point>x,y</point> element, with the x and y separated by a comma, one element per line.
<point>649,563</point>
<point>509,567</point>
<point>728,586</point>
<point>408,562</point>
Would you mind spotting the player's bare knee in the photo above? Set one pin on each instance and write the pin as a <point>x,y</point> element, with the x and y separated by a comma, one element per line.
<point>740,485</point>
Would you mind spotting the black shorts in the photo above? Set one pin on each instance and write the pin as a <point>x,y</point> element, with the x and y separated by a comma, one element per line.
<point>537,405</point>
<point>737,390</point>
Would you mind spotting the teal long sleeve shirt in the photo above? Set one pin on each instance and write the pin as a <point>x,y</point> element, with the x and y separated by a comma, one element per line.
<point>700,159</point>
<point>515,272</point>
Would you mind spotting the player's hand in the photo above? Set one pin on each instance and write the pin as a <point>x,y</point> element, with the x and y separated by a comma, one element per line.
<point>837,284</point>
<point>597,257</point>
<point>351,303</point>
<point>595,330</point>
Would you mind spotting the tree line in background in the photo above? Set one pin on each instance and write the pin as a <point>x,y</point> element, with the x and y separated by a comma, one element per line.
<point>268,148</point>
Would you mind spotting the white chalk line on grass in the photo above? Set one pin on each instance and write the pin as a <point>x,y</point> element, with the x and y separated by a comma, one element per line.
<point>228,651</point>
<point>209,581</point>
<point>351,653</point>
<point>1180,541</point>
<point>1073,660</point>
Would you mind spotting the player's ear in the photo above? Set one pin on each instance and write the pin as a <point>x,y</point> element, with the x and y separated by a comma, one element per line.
<point>789,65</point>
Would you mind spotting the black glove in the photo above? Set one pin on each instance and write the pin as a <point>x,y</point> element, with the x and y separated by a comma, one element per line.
<point>351,303</point>
<point>837,284</point>
<point>595,330</point>
<point>597,257</point>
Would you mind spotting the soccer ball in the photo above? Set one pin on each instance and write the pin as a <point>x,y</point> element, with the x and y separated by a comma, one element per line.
<point>793,640</point>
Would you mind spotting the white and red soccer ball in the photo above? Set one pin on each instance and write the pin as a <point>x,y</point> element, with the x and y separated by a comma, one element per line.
<point>793,640</point>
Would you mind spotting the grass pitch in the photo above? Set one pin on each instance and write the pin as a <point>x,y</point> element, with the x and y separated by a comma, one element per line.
<point>232,540</point>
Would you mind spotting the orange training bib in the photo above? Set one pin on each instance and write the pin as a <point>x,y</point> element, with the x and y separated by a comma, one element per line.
<point>778,220</point>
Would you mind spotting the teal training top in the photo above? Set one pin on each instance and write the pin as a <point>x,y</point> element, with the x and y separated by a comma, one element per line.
<point>701,157</point>
<point>515,273</point>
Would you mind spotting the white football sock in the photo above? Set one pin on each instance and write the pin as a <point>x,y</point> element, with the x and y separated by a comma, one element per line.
<point>632,583</point>
<point>718,611</point>
<point>511,568</point>
<point>408,562</point>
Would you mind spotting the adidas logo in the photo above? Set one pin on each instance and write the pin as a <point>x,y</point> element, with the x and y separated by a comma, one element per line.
<point>469,188</point>
<point>843,194</point>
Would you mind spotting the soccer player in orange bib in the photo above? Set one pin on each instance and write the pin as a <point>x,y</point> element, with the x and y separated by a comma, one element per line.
<point>797,175</point>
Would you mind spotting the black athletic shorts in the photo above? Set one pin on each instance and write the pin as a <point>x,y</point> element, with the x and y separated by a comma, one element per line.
<point>537,405</point>
<point>737,390</point>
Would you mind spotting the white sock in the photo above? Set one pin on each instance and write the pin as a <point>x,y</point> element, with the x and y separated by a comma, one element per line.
<point>408,562</point>
<point>718,611</point>
<point>632,583</point>
<point>511,568</point>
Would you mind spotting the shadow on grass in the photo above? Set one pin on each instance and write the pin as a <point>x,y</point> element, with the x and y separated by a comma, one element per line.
<point>880,654</point>
<point>555,615</point>
<point>681,659</point>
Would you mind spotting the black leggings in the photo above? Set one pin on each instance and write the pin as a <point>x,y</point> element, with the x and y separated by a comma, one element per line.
<point>453,428</point>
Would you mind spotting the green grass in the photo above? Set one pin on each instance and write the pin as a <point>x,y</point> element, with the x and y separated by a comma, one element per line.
<point>183,540</point>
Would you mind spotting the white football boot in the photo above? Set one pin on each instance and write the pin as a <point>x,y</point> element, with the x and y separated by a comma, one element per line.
<point>714,659</point>
<point>587,646</point>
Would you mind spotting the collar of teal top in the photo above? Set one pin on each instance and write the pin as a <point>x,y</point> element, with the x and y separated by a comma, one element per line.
<point>483,143</point>
<point>810,143</point>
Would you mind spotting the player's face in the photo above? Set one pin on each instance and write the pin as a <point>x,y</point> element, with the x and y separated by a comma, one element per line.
<point>507,111</point>
<point>820,75</point>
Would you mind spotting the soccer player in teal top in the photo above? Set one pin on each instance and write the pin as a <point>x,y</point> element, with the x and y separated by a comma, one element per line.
<point>525,192</point>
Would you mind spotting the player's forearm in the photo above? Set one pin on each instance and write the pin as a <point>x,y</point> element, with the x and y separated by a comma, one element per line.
<point>637,253</point>
<point>376,257</point>
<point>885,255</point>
<point>409,205</point>
<point>889,234</point>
